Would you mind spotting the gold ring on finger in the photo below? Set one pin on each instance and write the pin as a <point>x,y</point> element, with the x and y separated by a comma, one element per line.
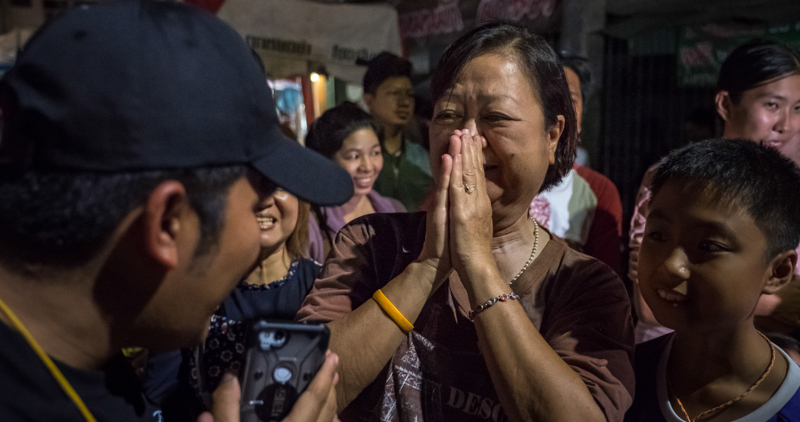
<point>470,189</point>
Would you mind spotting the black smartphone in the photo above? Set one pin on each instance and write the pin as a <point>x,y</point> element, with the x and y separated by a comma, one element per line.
<point>281,360</point>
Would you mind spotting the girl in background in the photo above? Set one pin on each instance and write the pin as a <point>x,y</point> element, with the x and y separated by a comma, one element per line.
<point>348,136</point>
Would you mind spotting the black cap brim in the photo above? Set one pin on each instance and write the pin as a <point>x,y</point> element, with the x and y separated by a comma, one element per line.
<point>305,174</point>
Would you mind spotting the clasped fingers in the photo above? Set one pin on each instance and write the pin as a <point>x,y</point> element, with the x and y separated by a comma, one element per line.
<point>470,213</point>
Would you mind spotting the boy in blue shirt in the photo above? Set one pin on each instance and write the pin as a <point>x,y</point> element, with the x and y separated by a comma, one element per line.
<point>722,230</point>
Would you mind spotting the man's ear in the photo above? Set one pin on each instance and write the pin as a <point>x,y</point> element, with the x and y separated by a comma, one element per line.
<point>782,268</point>
<point>163,218</point>
<point>368,99</point>
<point>723,103</point>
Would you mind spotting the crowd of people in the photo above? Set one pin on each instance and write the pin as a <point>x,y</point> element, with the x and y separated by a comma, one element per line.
<point>475,278</point>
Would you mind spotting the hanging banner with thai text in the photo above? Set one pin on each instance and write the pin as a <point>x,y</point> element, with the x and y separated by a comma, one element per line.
<point>298,36</point>
<point>424,18</point>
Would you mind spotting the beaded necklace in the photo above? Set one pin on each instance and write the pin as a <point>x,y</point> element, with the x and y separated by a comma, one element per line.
<point>533,252</point>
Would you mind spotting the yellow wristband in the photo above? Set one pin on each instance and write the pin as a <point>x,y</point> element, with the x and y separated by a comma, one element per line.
<point>392,311</point>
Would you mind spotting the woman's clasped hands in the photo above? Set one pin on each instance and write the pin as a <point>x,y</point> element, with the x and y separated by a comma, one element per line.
<point>459,226</point>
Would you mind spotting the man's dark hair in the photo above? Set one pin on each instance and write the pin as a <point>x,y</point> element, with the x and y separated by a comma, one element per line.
<point>63,219</point>
<point>745,174</point>
<point>384,66</point>
<point>327,134</point>
<point>579,65</point>
<point>756,63</point>
<point>535,57</point>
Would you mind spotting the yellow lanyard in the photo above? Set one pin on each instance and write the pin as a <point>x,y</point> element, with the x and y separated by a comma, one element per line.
<point>48,363</point>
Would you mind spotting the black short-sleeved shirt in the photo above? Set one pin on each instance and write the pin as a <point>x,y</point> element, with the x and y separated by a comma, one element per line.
<point>278,300</point>
<point>28,392</point>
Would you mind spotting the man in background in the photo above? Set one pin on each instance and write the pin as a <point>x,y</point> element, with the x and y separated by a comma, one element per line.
<point>389,95</point>
<point>584,208</point>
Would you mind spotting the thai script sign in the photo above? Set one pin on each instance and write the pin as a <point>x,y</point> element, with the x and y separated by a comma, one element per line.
<point>443,19</point>
<point>514,10</point>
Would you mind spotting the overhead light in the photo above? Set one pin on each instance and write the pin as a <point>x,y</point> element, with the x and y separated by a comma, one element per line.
<point>314,77</point>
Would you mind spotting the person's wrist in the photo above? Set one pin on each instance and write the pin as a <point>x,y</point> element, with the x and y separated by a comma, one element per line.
<point>477,262</point>
<point>482,279</point>
<point>423,271</point>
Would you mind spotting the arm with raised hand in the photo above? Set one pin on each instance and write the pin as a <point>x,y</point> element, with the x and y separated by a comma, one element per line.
<point>377,335</point>
<point>532,381</point>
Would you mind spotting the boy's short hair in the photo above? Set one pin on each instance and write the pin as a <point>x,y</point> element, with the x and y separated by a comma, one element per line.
<point>384,66</point>
<point>743,173</point>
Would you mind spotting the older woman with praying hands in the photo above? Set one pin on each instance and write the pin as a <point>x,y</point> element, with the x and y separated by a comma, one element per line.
<point>474,311</point>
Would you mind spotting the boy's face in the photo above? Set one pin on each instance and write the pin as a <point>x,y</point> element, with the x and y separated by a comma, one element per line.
<point>717,249</point>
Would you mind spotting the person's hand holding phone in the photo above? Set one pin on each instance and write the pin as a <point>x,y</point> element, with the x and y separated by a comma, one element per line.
<point>316,404</point>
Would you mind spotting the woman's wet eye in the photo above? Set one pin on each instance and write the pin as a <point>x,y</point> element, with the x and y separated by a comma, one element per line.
<point>771,105</point>
<point>445,115</point>
<point>495,118</point>
<point>709,246</point>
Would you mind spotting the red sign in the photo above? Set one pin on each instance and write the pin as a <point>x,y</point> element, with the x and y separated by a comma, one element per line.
<point>514,10</point>
<point>443,19</point>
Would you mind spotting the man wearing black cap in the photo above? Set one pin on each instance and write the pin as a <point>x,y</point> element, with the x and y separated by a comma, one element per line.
<point>137,138</point>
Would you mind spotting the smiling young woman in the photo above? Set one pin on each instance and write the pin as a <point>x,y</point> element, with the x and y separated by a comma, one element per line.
<point>758,96</point>
<point>348,136</point>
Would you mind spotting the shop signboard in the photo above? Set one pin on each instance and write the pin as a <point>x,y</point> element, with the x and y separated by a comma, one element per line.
<point>429,26</point>
<point>540,11</point>
<point>424,18</point>
<point>298,36</point>
<point>702,49</point>
<point>443,18</point>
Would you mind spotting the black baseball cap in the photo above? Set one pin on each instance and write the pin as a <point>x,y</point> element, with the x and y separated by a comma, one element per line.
<point>142,85</point>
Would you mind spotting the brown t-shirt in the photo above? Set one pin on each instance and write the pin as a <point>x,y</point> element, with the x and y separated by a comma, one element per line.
<point>577,303</point>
